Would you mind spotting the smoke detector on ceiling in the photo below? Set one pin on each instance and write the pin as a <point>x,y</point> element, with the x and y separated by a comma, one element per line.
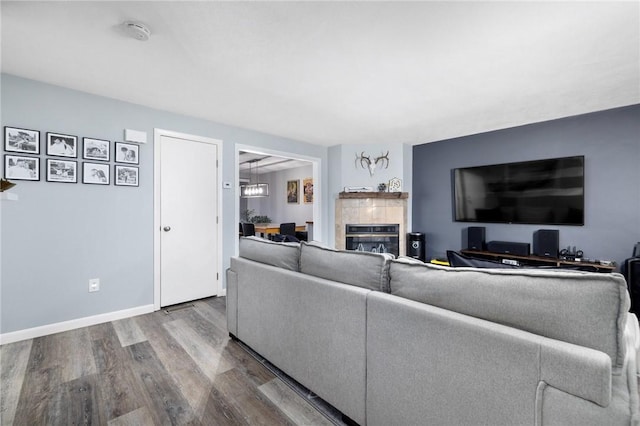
<point>137,30</point>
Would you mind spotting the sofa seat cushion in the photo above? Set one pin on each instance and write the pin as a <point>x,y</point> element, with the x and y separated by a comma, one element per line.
<point>282,255</point>
<point>362,269</point>
<point>583,308</point>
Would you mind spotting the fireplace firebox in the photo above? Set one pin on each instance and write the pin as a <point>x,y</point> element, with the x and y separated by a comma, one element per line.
<point>374,238</point>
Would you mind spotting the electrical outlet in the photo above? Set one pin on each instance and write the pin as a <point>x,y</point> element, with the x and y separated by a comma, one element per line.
<point>94,285</point>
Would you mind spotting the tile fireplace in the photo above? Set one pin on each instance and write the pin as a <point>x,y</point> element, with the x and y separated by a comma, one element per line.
<point>371,209</point>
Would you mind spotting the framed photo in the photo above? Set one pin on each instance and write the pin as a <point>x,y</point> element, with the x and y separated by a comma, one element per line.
<point>126,153</point>
<point>395,185</point>
<point>95,173</point>
<point>21,140</point>
<point>18,167</point>
<point>126,175</point>
<point>307,190</point>
<point>60,145</point>
<point>292,191</point>
<point>95,149</point>
<point>62,171</point>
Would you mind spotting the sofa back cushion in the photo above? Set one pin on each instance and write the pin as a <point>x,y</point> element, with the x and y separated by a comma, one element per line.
<point>583,308</point>
<point>362,269</point>
<point>283,255</point>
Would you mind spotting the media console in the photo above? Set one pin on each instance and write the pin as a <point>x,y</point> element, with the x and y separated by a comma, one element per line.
<point>540,261</point>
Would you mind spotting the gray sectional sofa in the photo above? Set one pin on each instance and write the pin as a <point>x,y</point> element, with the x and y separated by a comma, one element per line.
<point>397,342</point>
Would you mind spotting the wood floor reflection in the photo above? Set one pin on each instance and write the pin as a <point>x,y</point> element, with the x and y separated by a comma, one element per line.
<point>154,369</point>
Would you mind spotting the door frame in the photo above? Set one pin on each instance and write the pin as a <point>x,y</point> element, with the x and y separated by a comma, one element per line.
<point>157,135</point>
<point>317,184</point>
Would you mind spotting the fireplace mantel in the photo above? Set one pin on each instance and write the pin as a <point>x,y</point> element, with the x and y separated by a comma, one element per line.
<point>386,195</point>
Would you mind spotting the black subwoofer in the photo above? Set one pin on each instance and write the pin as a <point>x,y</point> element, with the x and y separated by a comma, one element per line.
<point>546,242</point>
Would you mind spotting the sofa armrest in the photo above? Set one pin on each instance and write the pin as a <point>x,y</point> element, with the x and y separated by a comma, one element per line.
<point>576,370</point>
<point>632,338</point>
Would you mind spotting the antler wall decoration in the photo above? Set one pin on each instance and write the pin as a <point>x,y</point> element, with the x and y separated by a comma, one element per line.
<point>366,163</point>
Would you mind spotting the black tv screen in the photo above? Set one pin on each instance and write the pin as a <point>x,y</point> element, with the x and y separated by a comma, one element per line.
<point>544,192</point>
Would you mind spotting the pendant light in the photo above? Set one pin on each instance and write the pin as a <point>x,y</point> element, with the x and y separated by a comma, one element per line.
<point>254,190</point>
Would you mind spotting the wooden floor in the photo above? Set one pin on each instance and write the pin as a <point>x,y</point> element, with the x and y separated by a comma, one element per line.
<point>155,369</point>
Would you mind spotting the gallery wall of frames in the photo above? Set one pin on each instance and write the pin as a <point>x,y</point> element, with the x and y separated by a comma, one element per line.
<point>100,157</point>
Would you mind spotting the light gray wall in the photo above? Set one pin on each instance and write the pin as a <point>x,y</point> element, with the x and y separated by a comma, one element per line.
<point>355,175</point>
<point>610,142</point>
<point>351,173</point>
<point>335,181</point>
<point>58,236</point>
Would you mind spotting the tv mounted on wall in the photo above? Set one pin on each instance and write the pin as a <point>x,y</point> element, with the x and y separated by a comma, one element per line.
<point>543,192</point>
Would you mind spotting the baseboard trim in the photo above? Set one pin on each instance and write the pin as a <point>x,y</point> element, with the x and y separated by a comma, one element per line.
<point>30,333</point>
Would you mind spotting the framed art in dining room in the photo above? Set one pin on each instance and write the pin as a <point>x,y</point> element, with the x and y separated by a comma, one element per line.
<point>126,153</point>
<point>18,167</point>
<point>62,170</point>
<point>307,190</point>
<point>95,173</point>
<point>293,191</point>
<point>126,175</point>
<point>95,149</point>
<point>21,140</point>
<point>59,145</point>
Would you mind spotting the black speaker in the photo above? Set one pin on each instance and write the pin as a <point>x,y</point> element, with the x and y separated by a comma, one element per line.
<point>415,245</point>
<point>475,238</point>
<point>508,247</point>
<point>546,242</point>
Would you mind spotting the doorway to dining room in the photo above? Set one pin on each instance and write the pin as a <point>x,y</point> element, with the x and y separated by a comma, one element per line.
<point>278,187</point>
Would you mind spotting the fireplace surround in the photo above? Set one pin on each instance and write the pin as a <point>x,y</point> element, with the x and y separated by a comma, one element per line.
<point>371,208</point>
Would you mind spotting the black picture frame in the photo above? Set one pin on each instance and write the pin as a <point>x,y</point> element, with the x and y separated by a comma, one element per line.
<point>19,167</point>
<point>95,173</point>
<point>126,175</point>
<point>126,153</point>
<point>96,149</point>
<point>61,145</point>
<point>64,171</point>
<point>21,140</point>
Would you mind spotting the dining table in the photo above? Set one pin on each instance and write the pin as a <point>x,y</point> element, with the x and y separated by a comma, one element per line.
<point>273,228</point>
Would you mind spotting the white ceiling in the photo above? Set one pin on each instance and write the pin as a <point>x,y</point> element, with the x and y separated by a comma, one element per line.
<point>252,164</point>
<point>339,72</point>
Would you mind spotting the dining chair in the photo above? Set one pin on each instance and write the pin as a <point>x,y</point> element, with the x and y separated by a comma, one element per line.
<point>248,229</point>
<point>288,228</point>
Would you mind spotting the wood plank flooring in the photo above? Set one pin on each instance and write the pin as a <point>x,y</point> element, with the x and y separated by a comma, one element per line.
<point>179,368</point>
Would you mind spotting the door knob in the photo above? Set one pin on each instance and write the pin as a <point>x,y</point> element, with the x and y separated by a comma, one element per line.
<point>167,228</point>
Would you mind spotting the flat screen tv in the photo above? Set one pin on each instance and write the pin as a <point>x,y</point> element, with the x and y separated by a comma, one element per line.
<point>542,192</point>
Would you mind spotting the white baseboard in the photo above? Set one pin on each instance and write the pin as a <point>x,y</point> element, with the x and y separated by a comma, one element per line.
<point>30,333</point>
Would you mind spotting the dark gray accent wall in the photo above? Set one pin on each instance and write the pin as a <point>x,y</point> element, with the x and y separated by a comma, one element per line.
<point>610,143</point>
<point>57,236</point>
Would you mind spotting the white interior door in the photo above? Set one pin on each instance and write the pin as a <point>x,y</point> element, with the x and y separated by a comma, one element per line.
<point>188,220</point>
